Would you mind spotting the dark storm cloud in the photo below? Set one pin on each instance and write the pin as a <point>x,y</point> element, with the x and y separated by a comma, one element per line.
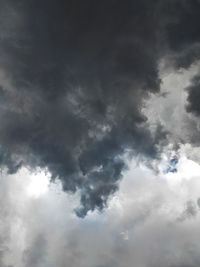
<point>183,31</point>
<point>193,96</point>
<point>193,109</point>
<point>74,75</point>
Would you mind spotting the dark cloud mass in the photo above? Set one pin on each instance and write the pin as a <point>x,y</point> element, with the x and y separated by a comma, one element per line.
<point>193,96</point>
<point>74,75</point>
<point>183,31</point>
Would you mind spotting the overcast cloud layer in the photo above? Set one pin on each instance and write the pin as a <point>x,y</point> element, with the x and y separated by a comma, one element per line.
<point>102,97</point>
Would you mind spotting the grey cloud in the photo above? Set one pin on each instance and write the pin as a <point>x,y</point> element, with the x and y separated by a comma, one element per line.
<point>145,209</point>
<point>193,109</point>
<point>183,31</point>
<point>189,212</point>
<point>76,74</point>
<point>193,96</point>
<point>198,202</point>
<point>75,77</point>
<point>183,43</point>
<point>35,255</point>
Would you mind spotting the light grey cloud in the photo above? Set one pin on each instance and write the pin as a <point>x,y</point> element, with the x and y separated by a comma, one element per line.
<point>140,225</point>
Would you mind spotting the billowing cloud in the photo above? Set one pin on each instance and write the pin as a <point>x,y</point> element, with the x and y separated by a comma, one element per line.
<point>74,77</point>
<point>99,99</point>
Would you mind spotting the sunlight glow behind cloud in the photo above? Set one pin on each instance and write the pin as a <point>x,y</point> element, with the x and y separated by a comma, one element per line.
<point>39,183</point>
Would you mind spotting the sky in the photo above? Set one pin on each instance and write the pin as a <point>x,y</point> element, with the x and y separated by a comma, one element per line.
<point>99,133</point>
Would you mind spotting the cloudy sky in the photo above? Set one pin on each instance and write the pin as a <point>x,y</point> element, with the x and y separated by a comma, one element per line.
<point>99,133</point>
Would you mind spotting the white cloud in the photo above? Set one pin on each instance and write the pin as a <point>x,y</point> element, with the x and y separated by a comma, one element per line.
<point>39,182</point>
<point>149,221</point>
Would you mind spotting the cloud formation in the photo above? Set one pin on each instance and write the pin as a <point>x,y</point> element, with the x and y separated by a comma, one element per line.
<point>149,222</point>
<point>94,94</point>
<point>74,77</point>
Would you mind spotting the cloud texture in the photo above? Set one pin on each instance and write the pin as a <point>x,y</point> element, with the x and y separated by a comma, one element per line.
<point>151,221</point>
<point>74,77</point>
